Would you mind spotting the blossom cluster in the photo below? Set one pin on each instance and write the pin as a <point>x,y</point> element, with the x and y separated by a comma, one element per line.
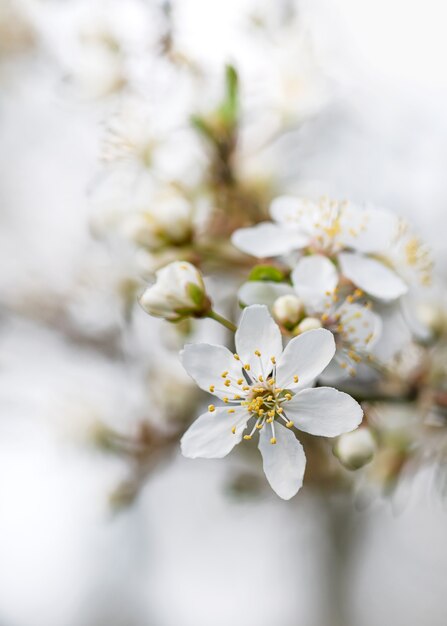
<point>192,186</point>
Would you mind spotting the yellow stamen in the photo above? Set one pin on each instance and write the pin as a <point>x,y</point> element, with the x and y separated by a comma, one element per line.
<point>273,440</point>
<point>211,408</point>
<point>295,379</point>
<point>211,388</point>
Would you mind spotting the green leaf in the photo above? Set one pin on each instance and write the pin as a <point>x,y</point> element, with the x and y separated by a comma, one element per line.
<point>266,272</point>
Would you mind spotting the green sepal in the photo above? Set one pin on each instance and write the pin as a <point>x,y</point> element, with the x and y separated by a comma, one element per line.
<point>268,273</point>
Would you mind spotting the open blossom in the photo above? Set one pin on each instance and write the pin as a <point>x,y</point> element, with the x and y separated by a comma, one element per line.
<point>315,287</point>
<point>352,237</point>
<point>267,388</point>
<point>179,291</point>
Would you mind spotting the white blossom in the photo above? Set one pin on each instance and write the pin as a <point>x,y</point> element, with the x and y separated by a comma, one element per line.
<point>352,237</point>
<point>268,388</point>
<point>315,282</point>
<point>179,291</point>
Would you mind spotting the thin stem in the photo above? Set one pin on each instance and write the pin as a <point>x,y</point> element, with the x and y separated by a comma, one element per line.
<point>218,318</point>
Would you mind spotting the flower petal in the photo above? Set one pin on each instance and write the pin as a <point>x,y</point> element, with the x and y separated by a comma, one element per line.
<point>361,326</point>
<point>206,363</point>
<point>262,292</point>
<point>284,462</point>
<point>312,278</point>
<point>372,276</point>
<point>305,356</point>
<point>267,240</point>
<point>324,411</point>
<point>367,230</point>
<point>257,331</point>
<point>211,435</point>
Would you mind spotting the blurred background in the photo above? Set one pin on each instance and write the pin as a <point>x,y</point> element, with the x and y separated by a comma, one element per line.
<point>92,531</point>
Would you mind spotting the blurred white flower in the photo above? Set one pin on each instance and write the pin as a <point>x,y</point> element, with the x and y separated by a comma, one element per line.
<point>349,235</point>
<point>355,449</point>
<point>168,220</point>
<point>179,291</point>
<point>314,282</point>
<point>267,386</point>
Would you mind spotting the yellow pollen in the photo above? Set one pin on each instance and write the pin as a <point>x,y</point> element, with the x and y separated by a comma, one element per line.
<point>230,410</point>
<point>211,408</point>
<point>240,381</point>
<point>272,381</point>
<point>233,430</point>
<point>261,379</point>
<point>247,437</point>
<point>295,379</point>
<point>289,424</point>
<point>273,360</point>
<point>226,400</point>
<point>273,440</point>
<point>270,419</point>
<point>280,410</point>
<point>236,356</point>
<point>236,397</point>
<point>211,388</point>
<point>271,414</point>
<point>259,426</point>
<point>288,396</point>
<point>224,374</point>
<point>269,398</point>
<point>245,388</point>
<point>324,317</point>
<point>257,353</point>
<point>227,383</point>
<point>247,366</point>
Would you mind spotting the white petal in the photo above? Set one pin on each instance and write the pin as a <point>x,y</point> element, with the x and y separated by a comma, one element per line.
<point>305,356</point>
<point>324,411</point>
<point>206,363</point>
<point>284,462</point>
<point>211,435</point>
<point>267,240</point>
<point>367,230</point>
<point>312,278</point>
<point>395,333</point>
<point>361,326</point>
<point>292,210</point>
<point>257,331</point>
<point>262,292</point>
<point>372,276</point>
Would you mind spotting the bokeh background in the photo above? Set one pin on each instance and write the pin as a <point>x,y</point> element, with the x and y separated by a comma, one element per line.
<point>186,552</point>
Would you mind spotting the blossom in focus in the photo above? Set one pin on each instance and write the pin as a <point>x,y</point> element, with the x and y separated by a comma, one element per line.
<point>315,285</point>
<point>179,292</point>
<point>351,236</point>
<point>267,388</point>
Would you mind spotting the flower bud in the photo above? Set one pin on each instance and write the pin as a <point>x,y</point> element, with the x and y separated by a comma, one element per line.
<point>287,309</point>
<point>179,292</point>
<point>355,449</point>
<point>308,323</point>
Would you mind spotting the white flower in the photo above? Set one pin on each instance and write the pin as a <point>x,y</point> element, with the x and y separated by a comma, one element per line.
<point>263,385</point>
<point>355,449</point>
<point>179,291</point>
<point>314,281</point>
<point>339,230</point>
<point>168,220</point>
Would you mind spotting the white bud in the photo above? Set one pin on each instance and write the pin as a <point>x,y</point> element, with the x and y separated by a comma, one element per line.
<point>288,309</point>
<point>168,221</point>
<point>308,323</point>
<point>355,449</point>
<point>179,291</point>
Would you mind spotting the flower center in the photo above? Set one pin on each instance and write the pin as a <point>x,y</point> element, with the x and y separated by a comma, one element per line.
<point>265,402</point>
